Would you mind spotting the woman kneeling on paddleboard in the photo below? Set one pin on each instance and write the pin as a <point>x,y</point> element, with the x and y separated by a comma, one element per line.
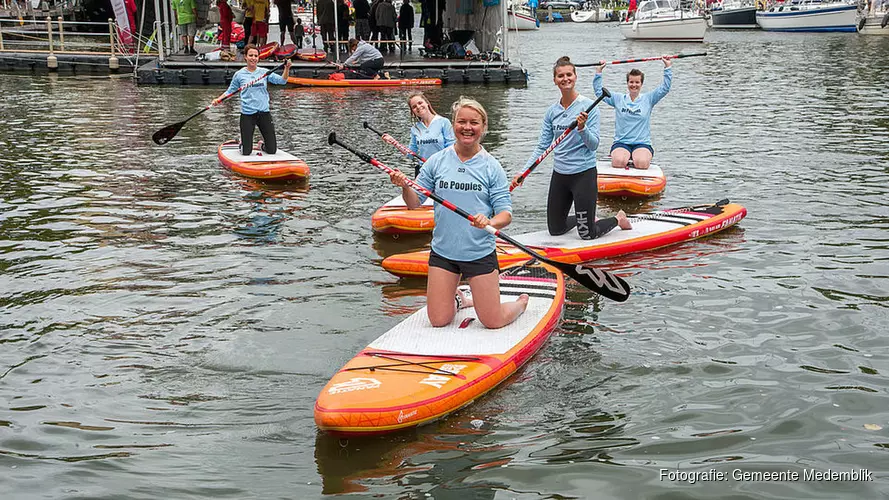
<point>574,161</point>
<point>432,132</point>
<point>632,116</point>
<point>365,61</point>
<point>255,102</point>
<point>467,176</point>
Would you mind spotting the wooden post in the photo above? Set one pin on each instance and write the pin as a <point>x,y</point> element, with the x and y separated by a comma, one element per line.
<point>52,62</point>
<point>61,36</point>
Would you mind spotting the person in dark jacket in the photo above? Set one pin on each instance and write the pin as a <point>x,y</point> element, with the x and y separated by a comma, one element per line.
<point>385,18</point>
<point>326,20</point>
<point>344,21</point>
<point>372,19</point>
<point>405,24</point>
<point>362,24</point>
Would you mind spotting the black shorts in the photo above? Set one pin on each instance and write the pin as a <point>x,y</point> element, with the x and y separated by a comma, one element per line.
<point>284,22</point>
<point>468,269</point>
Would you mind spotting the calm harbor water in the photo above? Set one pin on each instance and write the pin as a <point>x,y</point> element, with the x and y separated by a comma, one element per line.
<point>165,326</point>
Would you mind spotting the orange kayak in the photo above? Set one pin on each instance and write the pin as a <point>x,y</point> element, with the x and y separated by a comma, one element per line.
<point>415,374</point>
<point>630,182</point>
<point>395,218</point>
<point>650,231</point>
<point>318,82</point>
<point>280,166</point>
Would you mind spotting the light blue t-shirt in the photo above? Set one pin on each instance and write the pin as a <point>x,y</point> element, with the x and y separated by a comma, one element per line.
<point>426,141</point>
<point>478,186</point>
<point>632,119</point>
<point>577,153</point>
<point>254,98</point>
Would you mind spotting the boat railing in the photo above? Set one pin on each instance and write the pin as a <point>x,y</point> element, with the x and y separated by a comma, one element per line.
<point>59,36</point>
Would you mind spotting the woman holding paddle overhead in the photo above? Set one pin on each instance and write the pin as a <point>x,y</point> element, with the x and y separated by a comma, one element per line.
<point>574,161</point>
<point>255,102</point>
<point>467,176</point>
<point>632,116</point>
<point>432,132</point>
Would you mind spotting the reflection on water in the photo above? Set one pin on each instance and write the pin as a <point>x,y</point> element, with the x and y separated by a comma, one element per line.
<point>166,325</point>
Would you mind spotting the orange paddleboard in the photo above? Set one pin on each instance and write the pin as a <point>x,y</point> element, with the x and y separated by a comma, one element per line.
<point>318,82</point>
<point>415,374</point>
<point>281,166</point>
<point>630,182</point>
<point>650,231</point>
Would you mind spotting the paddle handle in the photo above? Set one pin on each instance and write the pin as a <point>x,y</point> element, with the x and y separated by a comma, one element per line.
<point>572,126</point>
<point>641,59</point>
<point>388,139</point>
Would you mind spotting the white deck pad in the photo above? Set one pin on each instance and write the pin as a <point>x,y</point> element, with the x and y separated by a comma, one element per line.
<point>415,335</point>
<point>233,153</point>
<point>398,201</point>
<point>603,167</point>
<point>659,223</point>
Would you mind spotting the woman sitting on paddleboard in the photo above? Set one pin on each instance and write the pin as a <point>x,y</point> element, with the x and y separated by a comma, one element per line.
<point>432,132</point>
<point>574,161</point>
<point>365,61</point>
<point>255,102</point>
<point>467,176</point>
<point>632,116</point>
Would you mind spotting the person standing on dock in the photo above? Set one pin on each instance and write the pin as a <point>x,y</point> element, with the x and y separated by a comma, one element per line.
<point>362,22</point>
<point>632,116</point>
<point>405,25</point>
<point>326,17</point>
<point>260,22</point>
<point>186,13</point>
<point>285,21</point>
<point>575,178</point>
<point>255,102</point>
<point>226,17</point>
<point>385,19</point>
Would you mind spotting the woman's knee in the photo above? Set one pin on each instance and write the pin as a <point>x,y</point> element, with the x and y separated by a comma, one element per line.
<point>439,318</point>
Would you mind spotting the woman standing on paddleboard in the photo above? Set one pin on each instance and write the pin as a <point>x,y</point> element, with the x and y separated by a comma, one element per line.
<point>632,116</point>
<point>432,132</point>
<point>574,161</point>
<point>467,176</point>
<point>255,102</point>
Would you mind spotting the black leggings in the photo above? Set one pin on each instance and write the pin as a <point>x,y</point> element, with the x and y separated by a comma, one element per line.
<point>583,190</point>
<point>263,120</point>
<point>367,70</point>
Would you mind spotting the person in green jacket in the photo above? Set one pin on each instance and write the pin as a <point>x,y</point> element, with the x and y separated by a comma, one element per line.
<point>186,12</point>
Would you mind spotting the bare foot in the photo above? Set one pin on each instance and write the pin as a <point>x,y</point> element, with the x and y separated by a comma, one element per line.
<point>464,300</point>
<point>622,221</point>
<point>523,300</point>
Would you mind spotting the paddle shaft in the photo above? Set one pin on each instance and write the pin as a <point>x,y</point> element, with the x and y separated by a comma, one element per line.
<point>601,282</point>
<point>641,59</point>
<point>559,139</point>
<point>399,146</point>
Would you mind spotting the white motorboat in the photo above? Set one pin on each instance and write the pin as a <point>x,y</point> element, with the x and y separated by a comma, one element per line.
<point>664,21</point>
<point>522,20</point>
<point>809,15</point>
<point>594,15</point>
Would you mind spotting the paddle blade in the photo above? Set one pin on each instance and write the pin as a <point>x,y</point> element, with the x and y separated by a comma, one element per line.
<point>164,135</point>
<point>602,282</point>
